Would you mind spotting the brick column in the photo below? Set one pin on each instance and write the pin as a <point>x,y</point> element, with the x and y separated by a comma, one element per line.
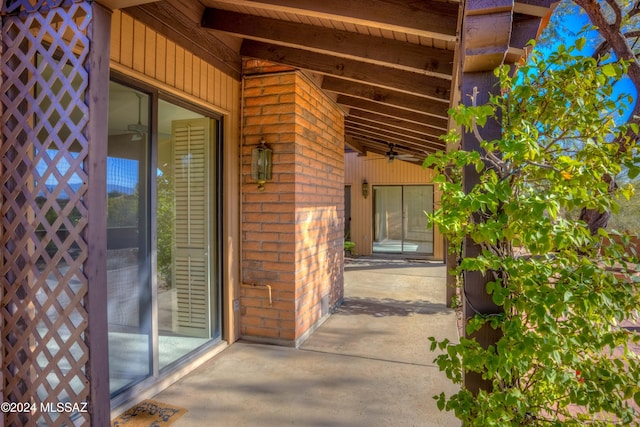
<point>292,232</point>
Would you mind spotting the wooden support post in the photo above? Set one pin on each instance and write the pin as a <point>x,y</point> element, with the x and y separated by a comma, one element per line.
<point>474,296</point>
<point>490,37</point>
<point>451,260</point>
<point>95,266</point>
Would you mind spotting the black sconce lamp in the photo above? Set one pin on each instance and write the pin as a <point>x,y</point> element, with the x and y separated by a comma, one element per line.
<point>365,188</point>
<point>261,164</point>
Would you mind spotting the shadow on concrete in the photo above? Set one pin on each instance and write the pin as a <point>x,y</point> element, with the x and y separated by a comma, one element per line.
<point>267,386</point>
<point>389,307</point>
<point>369,364</point>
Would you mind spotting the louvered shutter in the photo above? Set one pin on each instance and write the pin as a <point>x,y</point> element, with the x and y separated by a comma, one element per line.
<point>191,141</point>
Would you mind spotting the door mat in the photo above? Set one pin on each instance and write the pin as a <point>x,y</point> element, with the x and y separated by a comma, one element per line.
<point>149,413</point>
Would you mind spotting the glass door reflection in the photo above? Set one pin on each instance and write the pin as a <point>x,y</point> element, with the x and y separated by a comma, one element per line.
<point>187,293</point>
<point>162,270</point>
<point>400,219</point>
<point>417,235</point>
<point>128,266</point>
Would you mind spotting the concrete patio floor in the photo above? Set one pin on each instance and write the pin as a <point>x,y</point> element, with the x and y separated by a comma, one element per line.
<point>369,364</point>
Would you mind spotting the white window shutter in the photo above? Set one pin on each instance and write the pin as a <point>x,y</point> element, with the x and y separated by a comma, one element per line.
<point>192,187</point>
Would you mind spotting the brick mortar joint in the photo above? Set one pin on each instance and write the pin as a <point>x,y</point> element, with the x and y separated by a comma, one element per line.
<point>304,77</point>
<point>322,92</point>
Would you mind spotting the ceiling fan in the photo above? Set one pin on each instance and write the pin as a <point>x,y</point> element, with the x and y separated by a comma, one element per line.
<point>392,154</point>
<point>138,128</point>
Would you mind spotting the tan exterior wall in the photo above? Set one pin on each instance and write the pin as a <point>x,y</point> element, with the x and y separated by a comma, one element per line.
<point>377,170</point>
<point>291,231</point>
<point>141,53</point>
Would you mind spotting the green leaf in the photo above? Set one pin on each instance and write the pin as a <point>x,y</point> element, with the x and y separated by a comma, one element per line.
<point>431,160</point>
<point>567,296</point>
<point>561,307</point>
<point>609,70</point>
<point>441,401</point>
<point>634,171</point>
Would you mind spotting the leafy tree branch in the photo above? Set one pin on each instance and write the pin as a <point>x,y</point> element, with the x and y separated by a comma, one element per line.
<point>616,23</point>
<point>562,289</point>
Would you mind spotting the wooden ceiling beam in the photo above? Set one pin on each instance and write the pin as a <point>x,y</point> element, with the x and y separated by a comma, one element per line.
<point>382,148</point>
<point>121,4</point>
<point>361,47</point>
<point>536,8</point>
<point>394,122</point>
<point>431,19</point>
<point>355,145</point>
<point>372,145</point>
<point>400,80</point>
<point>409,145</point>
<point>407,139</point>
<point>381,127</point>
<point>385,96</point>
<point>438,126</point>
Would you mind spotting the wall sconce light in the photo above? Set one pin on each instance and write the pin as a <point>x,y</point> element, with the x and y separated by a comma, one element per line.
<point>365,189</point>
<point>261,164</point>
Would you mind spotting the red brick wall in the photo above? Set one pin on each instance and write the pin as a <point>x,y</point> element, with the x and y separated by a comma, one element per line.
<point>292,231</point>
<point>319,205</point>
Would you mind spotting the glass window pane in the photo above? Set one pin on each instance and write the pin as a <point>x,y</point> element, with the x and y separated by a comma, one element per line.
<point>387,219</point>
<point>128,266</point>
<point>418,237</point>
<point>185,225</point>
<point>400,220</point>
<point>187,313</point>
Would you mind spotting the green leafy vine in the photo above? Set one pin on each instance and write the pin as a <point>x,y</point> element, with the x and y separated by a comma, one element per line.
<point>563,357</point>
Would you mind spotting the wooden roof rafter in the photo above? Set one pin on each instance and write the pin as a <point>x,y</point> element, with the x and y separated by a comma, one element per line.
<point>358,71</point>
<point>436,126</point>
<point>420,147</point>
<point>345,44</point>
<point>354,145</point>
<point>433,19</point>
<point>392,65</point>
<point>394,122</point>
<point>392,59</point>
<point>382,147</point>
<point>357,123</point>
<point>393,98</point>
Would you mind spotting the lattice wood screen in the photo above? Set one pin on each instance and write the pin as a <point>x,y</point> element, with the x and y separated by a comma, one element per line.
<point>43,190</point>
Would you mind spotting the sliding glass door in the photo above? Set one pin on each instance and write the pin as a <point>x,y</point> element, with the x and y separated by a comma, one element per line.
<point>162,225</point>
<point>128,243</point>
<point>400,220</point>
<point>417,201</point>
<point>187,298</point>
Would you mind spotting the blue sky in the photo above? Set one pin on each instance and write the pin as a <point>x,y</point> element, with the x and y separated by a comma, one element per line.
<point>122,174</point>
<point>569,27</point>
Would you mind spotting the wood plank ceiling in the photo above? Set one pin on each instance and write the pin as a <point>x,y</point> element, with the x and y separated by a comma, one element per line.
<point>390,64</point>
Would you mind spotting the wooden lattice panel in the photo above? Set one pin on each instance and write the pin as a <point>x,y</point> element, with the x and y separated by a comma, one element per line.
<point>43,190</point>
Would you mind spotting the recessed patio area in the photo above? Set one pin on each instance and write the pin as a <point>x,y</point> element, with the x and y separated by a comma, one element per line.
<point>368,364</point>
